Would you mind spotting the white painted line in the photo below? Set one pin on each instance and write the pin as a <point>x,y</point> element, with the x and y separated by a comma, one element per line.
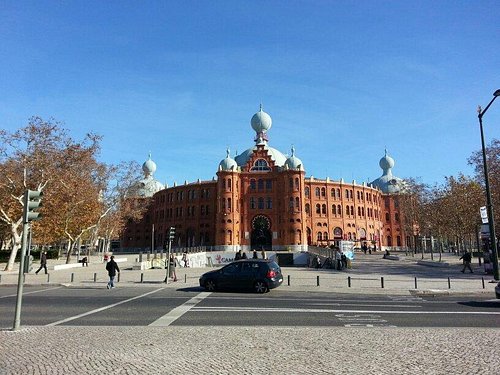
<point>292,310</point>
<point>33,292</point>
<point>176,313</point>
<point>101,309</point>
<point>361,304</point>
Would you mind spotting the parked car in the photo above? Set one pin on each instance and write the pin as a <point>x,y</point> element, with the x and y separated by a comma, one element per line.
<point>497,290</point>
<point>261,275</point>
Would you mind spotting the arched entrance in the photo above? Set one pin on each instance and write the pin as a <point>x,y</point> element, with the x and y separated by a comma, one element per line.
<point>261,233</point>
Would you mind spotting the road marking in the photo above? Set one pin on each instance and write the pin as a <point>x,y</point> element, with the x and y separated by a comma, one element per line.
<point>35,291</point>
<point>292,310</point>
<point>177,312</point>
<point>360,304</point>
<point>101,309</point>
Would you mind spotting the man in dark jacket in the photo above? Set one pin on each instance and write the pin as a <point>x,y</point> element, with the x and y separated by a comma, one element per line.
<point>467,258</point>
<point>112,269</point>
<point>43,263</point>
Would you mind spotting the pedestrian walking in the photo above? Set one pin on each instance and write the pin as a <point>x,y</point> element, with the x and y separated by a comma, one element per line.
<point>263,254</point>
<point>467,258</point>
<point>172,263</point>
<point>244,256</point>
<point>185,259</point>
<point>43,262</point>
<point>112,269</point>
<point>254,254</point>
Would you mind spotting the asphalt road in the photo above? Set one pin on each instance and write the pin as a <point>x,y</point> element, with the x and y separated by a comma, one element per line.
<point>158,306</point>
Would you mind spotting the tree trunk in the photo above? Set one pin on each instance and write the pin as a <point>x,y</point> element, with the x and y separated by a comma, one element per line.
<point>68,254</point>
<point>16,244</point>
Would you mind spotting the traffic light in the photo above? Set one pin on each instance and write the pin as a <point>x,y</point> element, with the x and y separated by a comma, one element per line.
<point>171,233</point>
<point>32,201</point>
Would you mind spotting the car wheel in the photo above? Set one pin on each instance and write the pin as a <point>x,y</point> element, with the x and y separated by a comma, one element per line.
<point>210,286</point>
<point>260,286</point>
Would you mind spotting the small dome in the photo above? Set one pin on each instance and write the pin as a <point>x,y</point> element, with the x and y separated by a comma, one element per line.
<point>386,162</point>
<point>294,162</point>
<point>149,166</point>
<point>261,121</point>
<point>228,164</point>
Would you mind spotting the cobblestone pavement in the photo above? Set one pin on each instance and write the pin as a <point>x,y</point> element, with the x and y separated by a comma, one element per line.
<point>248,350</point>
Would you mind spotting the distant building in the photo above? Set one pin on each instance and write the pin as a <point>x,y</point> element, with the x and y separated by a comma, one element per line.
<point>261,198</point>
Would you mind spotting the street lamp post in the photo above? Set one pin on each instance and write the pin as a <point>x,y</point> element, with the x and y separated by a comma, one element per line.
<point>489,204</point>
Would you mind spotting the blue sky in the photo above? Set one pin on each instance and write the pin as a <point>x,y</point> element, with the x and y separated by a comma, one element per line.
<point>341,80</point>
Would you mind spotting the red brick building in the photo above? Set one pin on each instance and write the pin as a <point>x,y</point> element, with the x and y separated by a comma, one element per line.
<point>262,198</point>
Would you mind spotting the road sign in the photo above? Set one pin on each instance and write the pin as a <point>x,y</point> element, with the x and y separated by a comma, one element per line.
<point>484,214</point>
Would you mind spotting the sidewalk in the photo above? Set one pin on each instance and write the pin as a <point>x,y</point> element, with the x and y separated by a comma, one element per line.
<point>370,275</point>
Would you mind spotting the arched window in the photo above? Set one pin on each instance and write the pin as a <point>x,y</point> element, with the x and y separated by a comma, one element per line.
<point>359,210</point>
<point>318,209</point>
<point>396,216</point>
<point>332,193</point>
<point>261,203</point>
<point>290,202</point>
<point>260,165</point>
<point>307,192</point>
<point>230,236</point>
<point>323,192</point>
<point>387,217</point>
<point>389,241</point>
<point>323,209</point>
<point>317,191</point>
<point>260,184</point>
<point>297,203</point>
<point>290,183</point>
<point>346,194</point>
<point>334,209</point>
<point>228,204</point>
<point>339,210</point>
<point>296,184</point>
<point>269,204</point>
<point>325,236</point>
<point>320,236</point>
<point>252,203</point>
<point>308,208</point>
<point>229,184</point>
<point>338,194</point>
<point>398,240</point>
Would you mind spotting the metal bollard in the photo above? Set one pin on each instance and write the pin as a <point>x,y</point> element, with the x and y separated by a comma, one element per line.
<point>288,280</point>
<point>185,279</point>
<point>0,278</point>
<point>349,281</point>
<point>416,283</point>
<point>382,282</point>
<point>118,277</point>
<point>95,277</point>
<point>482,279</point>
<point>449,283</point>
<point>48,277</point>
<point>317,280</point>
<point>72,276</point>
<point>142,277</point>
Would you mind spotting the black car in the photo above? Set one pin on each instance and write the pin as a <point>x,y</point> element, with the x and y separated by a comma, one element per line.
<point>257,274</point>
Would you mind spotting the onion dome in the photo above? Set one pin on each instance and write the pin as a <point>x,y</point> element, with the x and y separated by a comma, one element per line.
<point>149,167</point>
<point>261,122</point>
<point>388,183</point>
<point>386,162</point>
<point>228,164</point>
<point>293,162</point>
